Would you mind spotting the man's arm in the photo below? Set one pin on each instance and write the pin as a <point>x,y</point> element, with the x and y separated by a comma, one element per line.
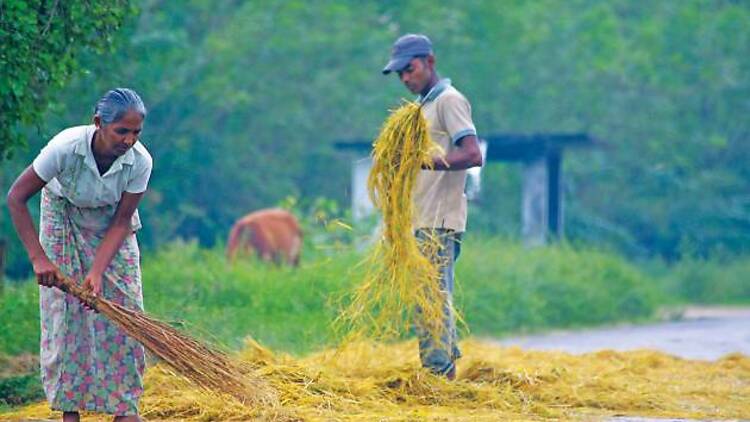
<point>466,155</point>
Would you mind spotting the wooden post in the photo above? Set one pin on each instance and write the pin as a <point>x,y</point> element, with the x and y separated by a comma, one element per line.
<point>535,207</point>
<point>555,204</point>
<point>474,175</point>
<point>361,204</point>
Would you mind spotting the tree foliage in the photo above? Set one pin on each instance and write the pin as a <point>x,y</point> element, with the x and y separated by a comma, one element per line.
<point>246,99</point>
<point>40,45</point>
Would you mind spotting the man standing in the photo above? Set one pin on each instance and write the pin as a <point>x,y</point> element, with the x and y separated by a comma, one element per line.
<point>439,193</point>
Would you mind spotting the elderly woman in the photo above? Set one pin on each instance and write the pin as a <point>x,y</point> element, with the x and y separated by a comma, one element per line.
<point>92,178</point>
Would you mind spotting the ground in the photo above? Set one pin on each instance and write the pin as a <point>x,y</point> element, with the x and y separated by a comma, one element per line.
<point>705,333</point>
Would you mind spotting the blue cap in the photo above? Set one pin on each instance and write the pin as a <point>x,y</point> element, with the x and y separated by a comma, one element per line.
<point>405,49</point>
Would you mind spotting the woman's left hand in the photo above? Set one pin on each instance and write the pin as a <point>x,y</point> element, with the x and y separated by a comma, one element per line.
<point>93,283</point>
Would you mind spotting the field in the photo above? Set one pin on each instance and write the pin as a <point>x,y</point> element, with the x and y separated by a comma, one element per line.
<point>285,315</point>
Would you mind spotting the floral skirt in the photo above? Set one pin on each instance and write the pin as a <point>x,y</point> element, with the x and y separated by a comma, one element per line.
<point>87,363</point>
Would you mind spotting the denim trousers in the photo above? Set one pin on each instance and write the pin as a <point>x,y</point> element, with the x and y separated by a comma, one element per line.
<point>439,354</point>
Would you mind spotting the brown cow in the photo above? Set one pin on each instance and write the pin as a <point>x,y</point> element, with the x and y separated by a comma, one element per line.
<point>274,234</point>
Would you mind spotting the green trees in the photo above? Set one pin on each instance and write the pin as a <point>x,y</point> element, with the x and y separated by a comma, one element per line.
<point>246,98</point>
<point>41,42</point>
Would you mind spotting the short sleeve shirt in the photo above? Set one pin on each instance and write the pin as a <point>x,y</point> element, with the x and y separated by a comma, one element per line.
<point>68,166</point>
<point>439,195</point>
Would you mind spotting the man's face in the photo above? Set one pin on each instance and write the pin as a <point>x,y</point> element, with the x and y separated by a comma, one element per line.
<point>416,75</point>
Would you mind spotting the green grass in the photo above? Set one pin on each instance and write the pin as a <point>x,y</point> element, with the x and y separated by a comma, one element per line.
<point>19,319</point>
<point>502,287</point>
<point>717,281</point>
<point>19,389</point>
<point>506,287</point>
<point>284,308</point>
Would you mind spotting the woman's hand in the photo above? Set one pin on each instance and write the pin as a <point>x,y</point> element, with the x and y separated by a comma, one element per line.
<point>119,229</point>
<point>47,274</point>
<point>93,284</point>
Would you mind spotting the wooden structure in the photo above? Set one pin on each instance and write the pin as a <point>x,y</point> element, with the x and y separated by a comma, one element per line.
<point>541,156</point>
<point>542,198</point>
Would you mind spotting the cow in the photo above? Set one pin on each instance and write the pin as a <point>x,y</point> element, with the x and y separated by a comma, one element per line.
<point>272,234</point>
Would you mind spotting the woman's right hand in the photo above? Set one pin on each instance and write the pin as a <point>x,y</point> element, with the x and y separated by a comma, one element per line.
<point>47,274</point>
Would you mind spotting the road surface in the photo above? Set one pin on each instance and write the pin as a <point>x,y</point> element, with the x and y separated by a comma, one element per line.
<point>701,333</point>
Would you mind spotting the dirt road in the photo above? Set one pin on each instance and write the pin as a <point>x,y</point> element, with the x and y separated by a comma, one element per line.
<point>701,333</point>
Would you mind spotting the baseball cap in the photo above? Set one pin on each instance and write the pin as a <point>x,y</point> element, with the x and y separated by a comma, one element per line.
<point>405,49</point>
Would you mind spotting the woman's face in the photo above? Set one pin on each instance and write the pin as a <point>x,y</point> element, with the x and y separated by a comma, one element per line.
<point>118,137</point>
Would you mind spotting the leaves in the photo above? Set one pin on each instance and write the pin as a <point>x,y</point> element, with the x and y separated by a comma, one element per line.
<point>40,41</point>
<point>245,100</point>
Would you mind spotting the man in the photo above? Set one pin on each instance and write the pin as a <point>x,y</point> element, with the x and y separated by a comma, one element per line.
<point>439,193</point>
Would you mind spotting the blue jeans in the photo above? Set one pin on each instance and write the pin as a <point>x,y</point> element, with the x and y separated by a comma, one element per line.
<point>439,355</point>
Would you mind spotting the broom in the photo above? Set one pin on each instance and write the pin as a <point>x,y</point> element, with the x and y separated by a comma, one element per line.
<point>206,366</point>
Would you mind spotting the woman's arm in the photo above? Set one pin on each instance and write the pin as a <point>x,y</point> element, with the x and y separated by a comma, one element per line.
<point>119,229</point>
<point>26,186</point>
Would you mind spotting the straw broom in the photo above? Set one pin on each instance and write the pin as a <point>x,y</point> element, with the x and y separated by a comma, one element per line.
<point>202,364</point>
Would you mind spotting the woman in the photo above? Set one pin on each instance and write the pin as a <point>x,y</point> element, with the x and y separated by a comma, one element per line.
<point>91,178</point>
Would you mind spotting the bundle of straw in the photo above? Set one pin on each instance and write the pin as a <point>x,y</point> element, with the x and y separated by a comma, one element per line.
<point>402,277</point>
<point>204,365</point>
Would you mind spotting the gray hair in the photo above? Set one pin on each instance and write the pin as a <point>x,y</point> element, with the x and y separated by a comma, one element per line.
<point>115,103</point>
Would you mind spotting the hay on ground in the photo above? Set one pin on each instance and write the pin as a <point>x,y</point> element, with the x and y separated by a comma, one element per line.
<point>372,381</point>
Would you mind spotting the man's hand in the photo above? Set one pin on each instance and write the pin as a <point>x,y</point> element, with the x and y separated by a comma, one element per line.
<point>438,162</point>
<point>466,155</point>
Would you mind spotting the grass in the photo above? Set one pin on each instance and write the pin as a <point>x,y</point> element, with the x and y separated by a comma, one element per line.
<point>20,389</point>
<point>501,287</point>
<point>285,308</point>
<point>505,287</point>
<point>19,319</point>
<point>725,281</point>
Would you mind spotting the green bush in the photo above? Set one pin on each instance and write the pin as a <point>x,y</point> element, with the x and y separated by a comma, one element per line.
<point>20,389</point>
<point>284,308</point>
<point>506,287</point>
<point>19,318</point>
<point>725,281</point>
<point>501,287</point>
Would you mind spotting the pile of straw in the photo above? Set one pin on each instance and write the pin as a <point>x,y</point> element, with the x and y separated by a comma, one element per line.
<point>370,381</point>
<point>206,366</point>
<point>401,281</point>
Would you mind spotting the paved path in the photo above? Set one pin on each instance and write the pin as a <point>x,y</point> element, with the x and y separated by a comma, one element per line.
<point>702,333</point>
